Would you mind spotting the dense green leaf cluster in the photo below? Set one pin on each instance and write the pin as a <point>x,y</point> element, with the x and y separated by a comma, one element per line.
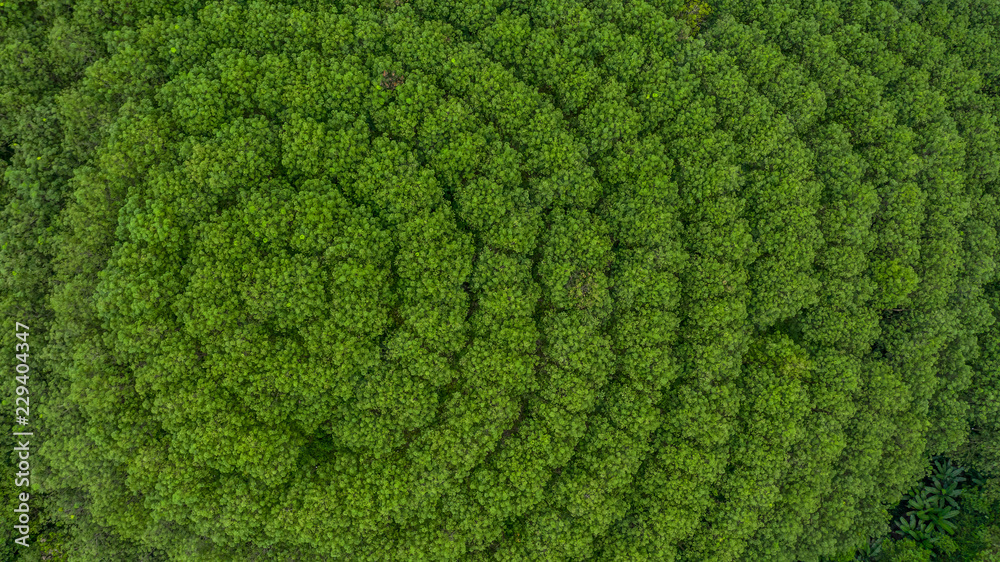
<point>512,280</point>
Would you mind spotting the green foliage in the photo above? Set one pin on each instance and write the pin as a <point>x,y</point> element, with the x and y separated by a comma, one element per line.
<point>977,536</point>
<point>945,521</point>
<point>906,550</point>
<point>694,14</point>
<point>534,280</point>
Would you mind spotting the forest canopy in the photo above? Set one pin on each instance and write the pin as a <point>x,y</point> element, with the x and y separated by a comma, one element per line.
<point>502,280</point>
